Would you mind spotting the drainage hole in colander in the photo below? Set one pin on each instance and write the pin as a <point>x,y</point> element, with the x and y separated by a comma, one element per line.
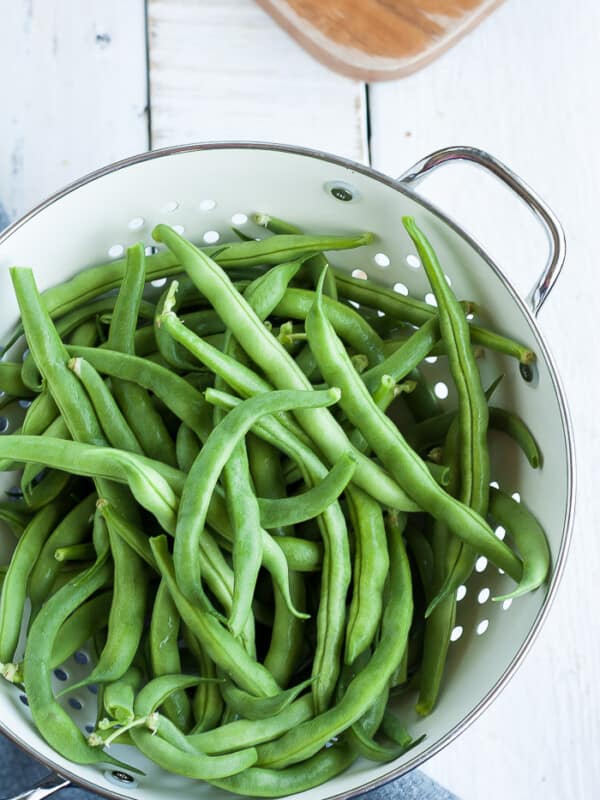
<point>431,359</point>
<point>381,259</point>
<point>430,299</point>
<point>495,485</point>
<point>401,288</point>
<point>24,403</point>
<point>481,564</point>
<point>506,604</point>
<point>171,206</point>
<point>344,192</point>
<point>92,688</point>
<point>60,674</point>
<point>116,251</point>
<point>207,205</point>
<point>211,237</point>
<point>457,632</point>
<point>239,218</point>
<point>89,729</point>
<point>527,372</point>
<point>81,657</point>
<point>135,224</point>
<point>360,274</point>
<point>516,497</point>
<point>500,532</point>
<point>482,627</point>
<point>150,250</point>
<point>4,424</point>
<point>119,777</point>
<point>448,281</point>
<point>75,703</point>
<point>413,261</point>
<point>441,390</point>
<point>354,304</point>
<point>23,699</point>
<point>461,593</point>
<point>158,282</point>
<point>470,316</point>
<point>483,596</point>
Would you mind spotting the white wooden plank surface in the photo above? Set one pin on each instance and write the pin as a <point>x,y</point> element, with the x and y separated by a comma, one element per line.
<point>73,93</point>
<point>524,87</point>
<point>222,69</point>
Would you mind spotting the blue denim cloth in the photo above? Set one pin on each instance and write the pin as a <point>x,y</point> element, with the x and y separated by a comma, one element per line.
<point>18,772</point>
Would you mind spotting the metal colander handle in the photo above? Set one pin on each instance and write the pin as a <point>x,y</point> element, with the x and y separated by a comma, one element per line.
<point>45,788</point>
<point>553,228</point>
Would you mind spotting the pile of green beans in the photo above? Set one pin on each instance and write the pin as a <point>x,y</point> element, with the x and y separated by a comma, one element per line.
<point>244,496</point>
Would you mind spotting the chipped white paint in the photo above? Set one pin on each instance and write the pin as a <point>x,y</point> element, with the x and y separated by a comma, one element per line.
<point>73,93</point>
<point>222,69</point>
<point>523,87</point>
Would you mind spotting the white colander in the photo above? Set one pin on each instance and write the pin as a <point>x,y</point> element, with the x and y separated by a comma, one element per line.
<point>201,188</point>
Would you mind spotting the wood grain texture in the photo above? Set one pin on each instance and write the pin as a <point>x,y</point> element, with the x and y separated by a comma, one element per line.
<point>73,93</point>
<point>378,39</point>
<point>523,87</point>
<point>222,69</point>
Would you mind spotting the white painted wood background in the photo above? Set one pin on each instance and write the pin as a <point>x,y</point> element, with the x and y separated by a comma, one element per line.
<point>85,83</point>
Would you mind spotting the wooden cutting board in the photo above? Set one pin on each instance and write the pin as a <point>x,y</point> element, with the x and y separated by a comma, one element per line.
<point>377,39</point>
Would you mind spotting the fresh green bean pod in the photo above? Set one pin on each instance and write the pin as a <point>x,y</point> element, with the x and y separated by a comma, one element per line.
<point>164,655</point>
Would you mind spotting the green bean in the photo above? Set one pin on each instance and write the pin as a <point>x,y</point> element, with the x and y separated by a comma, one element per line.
<point>207,703</point>
<point>137,407</point>
<point>75,552</point>
<point>260,782</point>
<point>248,733</point>
<point>389,445</point>
<point>423,557</point>
<point>207,467</point>
<point>148,486</point>
<point>189,762</point>
<point>220,645</point>
<point>48,352</point>
<point>349,325</point>
<point>16,520</point>
<point>187,445</point>
<point>177,394</point>
<point>417,312</point>
<point>41,486</point>
<point>432,431</point>
<point>72,529</point>
<point>115,426</point>
<point>41,413</point>
<point>472,417</point>
<point>244,514</point>
<point>85,334</point>
<point>400,363</point>
<point>14,588</point>
<point>69,323</point>
<point>164,654</point>
<point>254,708</point>
<point>119,696</point>
<point>80,626</point>
<point>529,538</point>
<point>371,565</point>
<point>301,507</point>
<point>309,737</point>
<point>51,720</point>
<point>11,382</point>
<point>276,363</point>
<point>124,632</point>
